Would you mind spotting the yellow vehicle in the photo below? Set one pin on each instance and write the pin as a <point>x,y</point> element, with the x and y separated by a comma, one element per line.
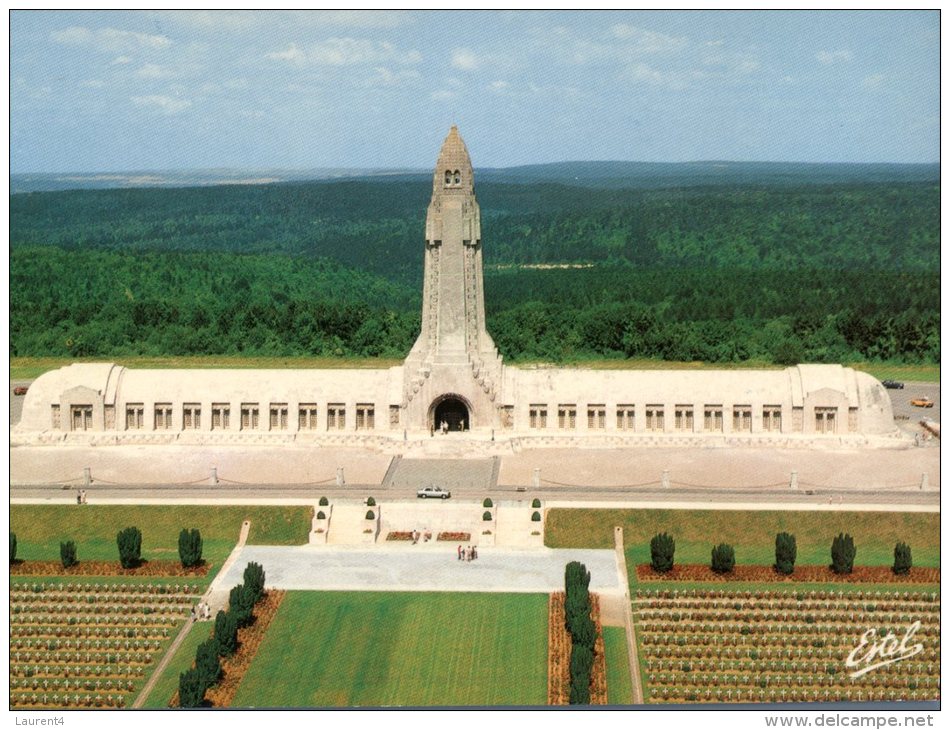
<point>924,402</point>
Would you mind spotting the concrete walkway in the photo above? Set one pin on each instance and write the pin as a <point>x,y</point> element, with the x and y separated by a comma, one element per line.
<point>422,568</point>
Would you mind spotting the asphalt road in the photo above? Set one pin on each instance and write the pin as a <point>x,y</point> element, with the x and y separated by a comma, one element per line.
<point>282,492</point>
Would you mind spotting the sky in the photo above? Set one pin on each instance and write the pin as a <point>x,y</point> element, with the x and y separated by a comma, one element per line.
<point>165,90</point>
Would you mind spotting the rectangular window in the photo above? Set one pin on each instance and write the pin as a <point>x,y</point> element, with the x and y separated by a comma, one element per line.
<point>54,413</point>
<point>81,417</point>
<point>742,418</point>
<point>394,416</point>
<point>163,416</point>
<point>220,416</point>
<point>307,417</point>
<point>825,418</point>
<point>654,418</point>
<point>134,416</point>
<point>365,416</point>
<point>250,416</point>
<point>538,416</point>
<point>597,416</point>
<point>336,417</point>
<point>625,418</point>
<point>567,415</point>
<point>191,416</point>
<point>683,418</point>
<point>772,418</point>
<point>712,418</point>
<point>278,416</point>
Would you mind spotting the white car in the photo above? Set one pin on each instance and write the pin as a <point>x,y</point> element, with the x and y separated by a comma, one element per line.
<point>435,492</point>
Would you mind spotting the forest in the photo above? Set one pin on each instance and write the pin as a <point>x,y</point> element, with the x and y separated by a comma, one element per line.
<point>821,272</point>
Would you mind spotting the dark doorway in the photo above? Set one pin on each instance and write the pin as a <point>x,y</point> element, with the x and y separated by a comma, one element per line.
<point>453,412</point>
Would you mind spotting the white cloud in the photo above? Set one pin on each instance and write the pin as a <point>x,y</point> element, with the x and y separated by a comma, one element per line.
<point>109,39</point>
<point>153,71</point>
<point>240,20</point>
<point>292,54</point>
<point>121,61</point>
<point>646,41</point>
<point>464,59</point>
<point>442,95</point>
<point>92,83</point>
<point>499,86</point>
<point>346,52</point>
<point>166,104</point>
<point>873,81</point>
<point>386,77</point>
<point>641,73</point>
<point>829,57</point>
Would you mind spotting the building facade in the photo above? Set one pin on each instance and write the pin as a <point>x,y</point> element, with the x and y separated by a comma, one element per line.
<point>455,379</point>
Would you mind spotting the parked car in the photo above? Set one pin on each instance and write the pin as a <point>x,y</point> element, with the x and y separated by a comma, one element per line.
<point>21,390</point>
<point>924,402</point>
<point>896,384</point>
<point>434,492</point>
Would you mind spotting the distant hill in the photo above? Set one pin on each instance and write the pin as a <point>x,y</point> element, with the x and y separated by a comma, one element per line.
<point>606,174</point>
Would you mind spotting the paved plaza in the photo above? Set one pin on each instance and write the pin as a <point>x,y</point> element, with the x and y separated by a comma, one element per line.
<point>422,568</point>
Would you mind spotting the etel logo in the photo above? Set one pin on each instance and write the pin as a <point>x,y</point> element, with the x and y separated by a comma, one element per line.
<point>873,653</point>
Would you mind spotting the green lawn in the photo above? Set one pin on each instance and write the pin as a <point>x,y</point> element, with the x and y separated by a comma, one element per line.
<point>619,688</point>
<point>40,528</point>
<point>751,533</point>
<point>328,649</point>
<point>167,684</point>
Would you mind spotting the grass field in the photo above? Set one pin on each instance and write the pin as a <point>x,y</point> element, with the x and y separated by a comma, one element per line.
<point>751,533</point>
<point>24,368</point>
<point>167,684</point>
<point>40,528</point>
<point>401,649</point>
<point>619,688</point>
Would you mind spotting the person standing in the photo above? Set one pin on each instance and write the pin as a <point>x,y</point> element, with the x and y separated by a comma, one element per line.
<point>460,552</point>
<point>474,553</point>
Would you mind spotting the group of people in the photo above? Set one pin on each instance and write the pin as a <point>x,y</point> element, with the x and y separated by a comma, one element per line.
<point>424,536</point>
<point>444,427</point>
<point>201,612</point>
<point>467,554</point>
<point>81,496</point>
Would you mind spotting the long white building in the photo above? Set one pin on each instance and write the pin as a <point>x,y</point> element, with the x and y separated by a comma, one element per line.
<point>454,378</point>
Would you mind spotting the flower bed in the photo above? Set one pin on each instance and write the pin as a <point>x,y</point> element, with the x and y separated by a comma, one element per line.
<point>157,568</point>
<point>454,536</point>
<point>559,652</point>
<point>802,574</point>
<point>402,536</point>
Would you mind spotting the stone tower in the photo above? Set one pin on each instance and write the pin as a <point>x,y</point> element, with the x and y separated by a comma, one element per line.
<point>453,370</point>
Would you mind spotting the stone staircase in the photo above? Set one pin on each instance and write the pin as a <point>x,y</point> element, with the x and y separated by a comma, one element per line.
<point>514,525</point>
<point>347,522</point>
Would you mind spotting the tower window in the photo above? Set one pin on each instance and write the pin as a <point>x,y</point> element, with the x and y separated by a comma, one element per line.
<point>448,177</point>
<point>457,178</point>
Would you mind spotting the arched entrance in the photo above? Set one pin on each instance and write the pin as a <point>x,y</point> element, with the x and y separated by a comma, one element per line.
<point>452,410</point>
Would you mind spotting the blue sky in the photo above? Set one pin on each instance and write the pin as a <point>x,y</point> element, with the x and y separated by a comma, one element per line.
<point>117,90</point>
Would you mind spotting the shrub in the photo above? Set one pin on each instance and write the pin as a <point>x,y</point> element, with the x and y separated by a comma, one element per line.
<point>189,548</point>
<point>902,559</point>
<point>130,547</point>
<point>12,546</point>
<point>486,516</point>
<point>723,558</point>
<point>67,554</point>
<point>662,548</point>
<point>842,554</point>
<point>225,633</point>
<point>535,503</point>
<point>370,515</point>
<point>487,503</point>
<point>321,515</point>
<point>582,661</point>
<point>324,501</point>
<point>241,604</point>
<point>370,502</point>
<point>785,553</point>
<point>207,662</point>
<point>254,580</point>
<point>535,516</point>
<point>191,689</point>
